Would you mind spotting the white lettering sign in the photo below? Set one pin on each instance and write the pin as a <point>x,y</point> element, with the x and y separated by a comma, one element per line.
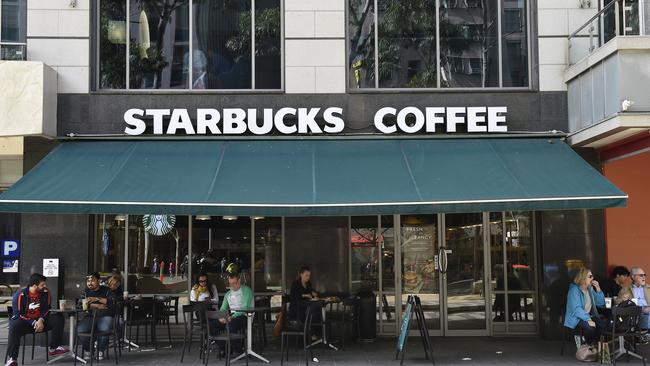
<point>314,121</point>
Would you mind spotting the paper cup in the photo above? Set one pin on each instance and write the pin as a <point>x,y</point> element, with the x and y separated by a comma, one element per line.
<point>635,301</point>
<point>125,294</point>
<point>84,304</point>
<point>608,302</point>
<point>63,304</point>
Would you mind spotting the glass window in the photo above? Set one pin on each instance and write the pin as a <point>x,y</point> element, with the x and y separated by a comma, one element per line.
<point>13,29</point>
<point>469,55</point>
<point>109,243</point>
<point>514,40</point>
<point>159,33</point>
<point>365,242</point>
<point>268,45</point>
<point>112,44</point>
<point>268,254</point>
<point>361,30</point>
<point>218,242</point>
<point>407,44</point>
<point>10,231</point>
<point>162,54</point>
<point>414,38</point>
<point>157,244</point>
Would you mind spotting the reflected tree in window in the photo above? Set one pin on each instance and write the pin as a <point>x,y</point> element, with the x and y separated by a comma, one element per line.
<point>112,44</point>
<point>362,43</point>
<point>154,47</point>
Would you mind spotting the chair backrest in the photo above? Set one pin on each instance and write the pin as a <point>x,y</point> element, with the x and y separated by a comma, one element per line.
<point>215,315</point>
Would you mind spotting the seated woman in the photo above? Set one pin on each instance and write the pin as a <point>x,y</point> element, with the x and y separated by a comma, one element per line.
<point>203,290</point>
<point>301,290</point>
<point>582,299</point>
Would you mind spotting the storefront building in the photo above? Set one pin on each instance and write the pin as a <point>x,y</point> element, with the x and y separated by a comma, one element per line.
<point>394,146</point>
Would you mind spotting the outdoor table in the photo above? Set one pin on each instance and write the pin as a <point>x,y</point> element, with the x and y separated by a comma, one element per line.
<point>72,314</point>
<point>128,342</point>
<point>250,312</point>
<point>324,339</point>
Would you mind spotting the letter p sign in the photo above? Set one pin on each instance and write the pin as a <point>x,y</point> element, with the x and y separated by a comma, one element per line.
<point>10,248</point>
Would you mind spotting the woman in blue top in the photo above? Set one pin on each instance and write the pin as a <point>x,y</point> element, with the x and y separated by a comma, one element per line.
<point>583,298</point>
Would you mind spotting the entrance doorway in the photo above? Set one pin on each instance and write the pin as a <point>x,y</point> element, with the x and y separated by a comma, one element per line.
<point>446,258</point>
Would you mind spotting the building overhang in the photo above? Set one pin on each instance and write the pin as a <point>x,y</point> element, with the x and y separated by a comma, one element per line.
<point>611,130</point>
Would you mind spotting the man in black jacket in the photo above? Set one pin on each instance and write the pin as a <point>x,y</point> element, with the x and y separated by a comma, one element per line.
<point>31,313</point>
<point>99,298</point>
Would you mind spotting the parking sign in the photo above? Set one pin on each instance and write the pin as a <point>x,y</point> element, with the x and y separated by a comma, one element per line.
<point>11,248</point>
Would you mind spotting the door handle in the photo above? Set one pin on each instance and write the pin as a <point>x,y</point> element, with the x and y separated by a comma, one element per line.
<point>442,260</point>
<point>446,261</point>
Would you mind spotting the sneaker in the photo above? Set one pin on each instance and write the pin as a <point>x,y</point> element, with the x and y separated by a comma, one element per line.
<point>100,355</point>
<point>60,350</point>
<point>11,362</point>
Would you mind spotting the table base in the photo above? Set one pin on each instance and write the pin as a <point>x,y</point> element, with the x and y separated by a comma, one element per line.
<point>70,354</point>
<point>250,353</point>
<point>621,350</point>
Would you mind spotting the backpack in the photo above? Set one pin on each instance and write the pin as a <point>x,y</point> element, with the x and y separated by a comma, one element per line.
<point>587,353</point>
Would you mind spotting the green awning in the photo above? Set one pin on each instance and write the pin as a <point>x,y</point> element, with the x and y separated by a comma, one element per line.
<point>310,177</point>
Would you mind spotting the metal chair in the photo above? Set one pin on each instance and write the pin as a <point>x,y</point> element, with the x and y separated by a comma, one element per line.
<point>161,309</point>
<point>24,342</point>
<point>140,313</point>
<point>194,323</point>
<point>225,336</point>
<point>93,335</point>
<point>298,329</point>
<point>626,325</point>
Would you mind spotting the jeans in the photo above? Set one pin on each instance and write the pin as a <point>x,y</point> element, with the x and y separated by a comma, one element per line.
<point>20,327</point>
<point>104,324</point>
<point>592,334</point>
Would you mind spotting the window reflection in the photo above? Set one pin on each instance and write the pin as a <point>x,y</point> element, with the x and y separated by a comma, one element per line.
<point>514,43</point>
<point>407,44</point>
<point>469,55</point>
<point>112,44</point>
<point>268,254</point>
<point>365,242</point>
<point>361,30</point>
<point>14,21</point>
<point>222,44</point>
<point>109,243</point>
<point>159,42</point>
<point>267,44</point>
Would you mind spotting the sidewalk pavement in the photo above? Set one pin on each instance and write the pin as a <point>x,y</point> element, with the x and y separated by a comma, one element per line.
<point>447,351</point>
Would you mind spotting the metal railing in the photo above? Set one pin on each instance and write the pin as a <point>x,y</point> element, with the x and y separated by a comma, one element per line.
<point>13,51</point>
<point>618,18</point>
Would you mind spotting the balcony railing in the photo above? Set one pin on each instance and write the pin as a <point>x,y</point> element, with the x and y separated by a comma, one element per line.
<point>617,18</point>
<point>13,51</point>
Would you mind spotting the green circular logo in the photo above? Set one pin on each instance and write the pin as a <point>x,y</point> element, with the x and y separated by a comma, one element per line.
<point>158,225</point>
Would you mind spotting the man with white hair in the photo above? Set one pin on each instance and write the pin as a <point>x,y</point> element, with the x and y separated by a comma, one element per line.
<point>641,294</point>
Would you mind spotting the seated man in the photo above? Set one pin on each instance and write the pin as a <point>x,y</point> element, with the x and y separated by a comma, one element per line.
<point>31,313</point>
<point>641,293</point>
<point>239,296</point>
<point>99,298</point>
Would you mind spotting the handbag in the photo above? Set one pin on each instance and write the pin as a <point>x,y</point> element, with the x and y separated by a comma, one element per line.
<point>587,353</point>
<point>279,323</point>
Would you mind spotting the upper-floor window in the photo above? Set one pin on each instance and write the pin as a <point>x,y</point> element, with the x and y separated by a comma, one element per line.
<point>13,29</point>
<point>189,44</point>
<point>458,44</point>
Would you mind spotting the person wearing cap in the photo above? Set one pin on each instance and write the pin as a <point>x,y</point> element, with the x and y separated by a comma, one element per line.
<point>31,314</point>
<point>99,298</point>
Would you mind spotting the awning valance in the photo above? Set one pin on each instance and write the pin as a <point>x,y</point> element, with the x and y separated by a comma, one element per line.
<point>310,177</point>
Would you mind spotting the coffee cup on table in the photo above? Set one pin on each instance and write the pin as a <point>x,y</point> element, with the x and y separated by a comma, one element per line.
<point>84,304</point>
<point>125,294</point>
<point>608,302</point>
<point>63,304</point>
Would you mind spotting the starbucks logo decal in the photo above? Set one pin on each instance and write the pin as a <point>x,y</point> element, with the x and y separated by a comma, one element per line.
<point>158,225</point>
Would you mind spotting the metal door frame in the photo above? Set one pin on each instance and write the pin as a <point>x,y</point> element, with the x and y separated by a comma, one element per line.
<point>444,321</point>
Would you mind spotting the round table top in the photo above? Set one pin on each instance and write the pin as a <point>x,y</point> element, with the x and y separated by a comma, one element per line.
<point>67,311</point>
<point>256,309</point>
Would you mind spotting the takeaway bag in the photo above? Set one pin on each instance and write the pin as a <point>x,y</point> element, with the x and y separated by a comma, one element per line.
<point>587,353</point>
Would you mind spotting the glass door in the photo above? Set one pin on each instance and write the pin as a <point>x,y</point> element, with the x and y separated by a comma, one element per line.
<point>419,266</point>
<point>462,268</point>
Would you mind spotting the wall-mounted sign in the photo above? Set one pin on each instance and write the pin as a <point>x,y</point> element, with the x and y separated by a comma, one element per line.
<point>51,267</point>
<point>11,248</point>
<point>313,121</point>
<point>10,266</point>
<point>158,225</point>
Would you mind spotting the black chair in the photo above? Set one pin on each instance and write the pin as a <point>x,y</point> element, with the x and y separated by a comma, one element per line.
<point>24,341</point>
<point>140,313</point>
<point>625,330</point>
<point>93,335</point>
<point>162,307</point>
<point>226,337</point>
<point>170,308</point>
<point>259,321</point>
<point>577,331</point>
<point>295,328</point>
<point>350,318</point>
<point>194,323</point>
